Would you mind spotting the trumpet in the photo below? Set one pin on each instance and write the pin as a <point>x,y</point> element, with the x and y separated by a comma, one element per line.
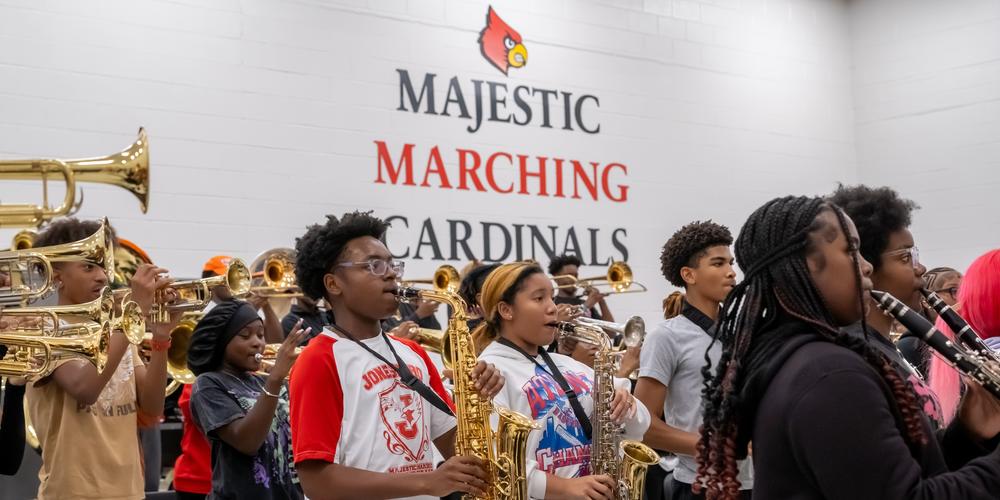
<point>195,294</point>
<point>445,278</point>
<point>269,356</point>
<point>618,279</point>
<point>128,169</point>
<point>273,274</point>
<point>30,271</point>
<point>127,317</point>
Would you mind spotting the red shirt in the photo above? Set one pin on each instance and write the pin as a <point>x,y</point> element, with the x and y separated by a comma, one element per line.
<point>193,468</point>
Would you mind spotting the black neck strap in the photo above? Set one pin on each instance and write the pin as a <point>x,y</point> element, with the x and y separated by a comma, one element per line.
<point>699,318</point>
<point>405,375</point>
<point>553,370</point>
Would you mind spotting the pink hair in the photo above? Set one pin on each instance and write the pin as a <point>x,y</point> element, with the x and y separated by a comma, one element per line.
<point>979,305</point>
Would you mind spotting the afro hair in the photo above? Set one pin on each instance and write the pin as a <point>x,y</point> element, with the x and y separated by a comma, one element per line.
<point>560,261</point>
<point>322,246</point>
<point>687,245</point>
<point>877,213</point>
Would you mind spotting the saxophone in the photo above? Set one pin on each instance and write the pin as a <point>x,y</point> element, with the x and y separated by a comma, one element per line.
<point>625,460</point>
<point>502,451</point>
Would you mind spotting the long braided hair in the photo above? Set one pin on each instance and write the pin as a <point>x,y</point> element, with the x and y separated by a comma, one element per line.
<point>777,290</point>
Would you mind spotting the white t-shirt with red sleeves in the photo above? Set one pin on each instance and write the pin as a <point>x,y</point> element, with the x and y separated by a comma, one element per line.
<point>350,408</point>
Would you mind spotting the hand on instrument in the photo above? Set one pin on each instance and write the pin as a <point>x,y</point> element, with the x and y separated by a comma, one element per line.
<point>593,297</point>
<point>4,280</point>
<point>630,360</point>
<point>288,352</point>
<point>980,411</point>
<point>566,312</point>
<point>622,406</point>
<point>426,308</point>
<point>406,330</point>
<point>146,280</point>
<point>463,474</point>
<point>596,487</point>
<point>486,379</point>
<point>256,300</point>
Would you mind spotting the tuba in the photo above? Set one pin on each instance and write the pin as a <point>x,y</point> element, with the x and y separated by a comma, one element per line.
<point>624,460</point>
<point>618,279</point>
<point>128,169</point>
<point>502,451</point>
<point>30,271</point>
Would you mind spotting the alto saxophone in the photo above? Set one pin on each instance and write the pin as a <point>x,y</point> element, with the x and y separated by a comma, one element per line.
<point>501,451</point>
<point>625,460</point>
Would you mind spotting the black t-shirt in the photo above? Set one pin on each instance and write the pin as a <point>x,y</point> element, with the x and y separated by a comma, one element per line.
<point>219,398</point>
<point>315,319</point>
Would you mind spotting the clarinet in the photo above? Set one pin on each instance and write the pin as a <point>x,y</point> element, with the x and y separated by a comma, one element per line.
<point>963,331</point>
<point>983,368</point>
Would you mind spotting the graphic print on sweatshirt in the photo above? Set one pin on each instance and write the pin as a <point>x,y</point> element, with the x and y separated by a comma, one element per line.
<point>563,442</point>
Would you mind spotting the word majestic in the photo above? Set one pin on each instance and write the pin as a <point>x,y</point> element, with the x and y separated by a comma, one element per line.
<point>530,104</point>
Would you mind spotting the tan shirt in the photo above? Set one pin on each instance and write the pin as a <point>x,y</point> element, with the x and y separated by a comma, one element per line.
<point>89,451</point>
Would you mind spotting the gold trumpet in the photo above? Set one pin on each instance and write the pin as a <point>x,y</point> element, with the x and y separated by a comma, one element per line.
<point>445,278</point>
<point>195,294</point>
<point>24,239</point>
<point>269,356</point>
<point>128,169</point>
<point>30,271</point>
<point>618,279</point>
<point>45,335</point>
<point>273,273</point>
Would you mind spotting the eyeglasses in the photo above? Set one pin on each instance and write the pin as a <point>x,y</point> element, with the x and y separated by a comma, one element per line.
<point>953,291</point>
<point>910,255</point>
<point>378,267</point>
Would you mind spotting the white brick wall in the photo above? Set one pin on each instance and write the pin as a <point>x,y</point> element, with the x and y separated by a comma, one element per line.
<point>262,113</point>
<point>927,112</point>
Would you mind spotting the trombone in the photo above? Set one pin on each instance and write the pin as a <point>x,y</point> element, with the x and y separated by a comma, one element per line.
<point>30,271</point>
<point>128,169</point>
<point>618,279</point>
<point>273,274</point>
<point>446,278</point>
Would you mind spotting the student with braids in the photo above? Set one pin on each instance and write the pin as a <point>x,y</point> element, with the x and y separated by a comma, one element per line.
<point>367,409</point>
<point>829,416</point>
<point>696,258</point>
<point>882,219</point>
<point>552,389</point>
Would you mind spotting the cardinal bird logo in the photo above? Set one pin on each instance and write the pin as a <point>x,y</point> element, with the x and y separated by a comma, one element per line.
<point>501,45</point>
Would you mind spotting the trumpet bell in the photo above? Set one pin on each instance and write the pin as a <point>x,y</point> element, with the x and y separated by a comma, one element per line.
<point>618,279</point>
<point>445,278</point>
<point>273,274</point>
<point>23,240</point>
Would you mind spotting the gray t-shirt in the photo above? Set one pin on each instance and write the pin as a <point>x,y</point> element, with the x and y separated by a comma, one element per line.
<point>673,354</point>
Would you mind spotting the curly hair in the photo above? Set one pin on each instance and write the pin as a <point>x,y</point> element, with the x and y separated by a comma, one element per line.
<point>877,213</point>
<point>322,245</point>
<point>67,230</point>
<point>560,261</point>
<point>473,281</point>
<point>760,317</point>
<point>687,245</point>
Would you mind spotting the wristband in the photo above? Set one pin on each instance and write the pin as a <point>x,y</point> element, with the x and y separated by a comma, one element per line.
<point>159,345</point>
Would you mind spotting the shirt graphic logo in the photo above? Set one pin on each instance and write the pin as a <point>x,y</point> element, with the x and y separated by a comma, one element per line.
<point>403,415</point>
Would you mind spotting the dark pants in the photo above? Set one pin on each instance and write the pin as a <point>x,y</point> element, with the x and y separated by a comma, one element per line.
<point>655,475</point>
<point>190,496</point>
<point>682,491</point>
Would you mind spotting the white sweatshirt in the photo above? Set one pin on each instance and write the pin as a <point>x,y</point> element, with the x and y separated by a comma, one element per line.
<point>559,446</point>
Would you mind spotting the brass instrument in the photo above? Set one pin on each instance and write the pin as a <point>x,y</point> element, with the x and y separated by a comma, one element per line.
<point>128,169</point>
<point>195,294</point>
<point>180,340</point>
<point>618,279</point>
<point>273,274</point>
<point>624,460</point>
<point>30,271</point>
<point>502,451</point>
<point>58,332</point>
<point>24,239</point>
<point>268,357</point>
<point>632,331</point>
<point>445,278</point>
